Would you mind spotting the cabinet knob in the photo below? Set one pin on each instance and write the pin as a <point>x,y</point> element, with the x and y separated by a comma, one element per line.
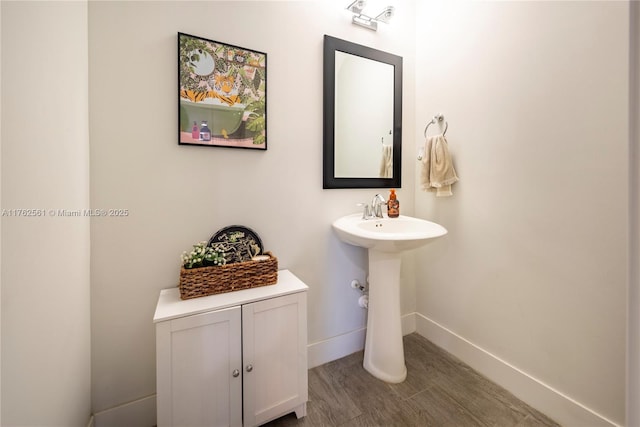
<point>249,368</point>
<point>235,373</point>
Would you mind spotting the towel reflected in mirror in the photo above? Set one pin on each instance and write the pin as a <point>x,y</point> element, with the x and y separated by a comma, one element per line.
<point>386,163</point>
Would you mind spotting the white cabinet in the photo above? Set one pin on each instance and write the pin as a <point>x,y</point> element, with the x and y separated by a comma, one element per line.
<point>232,359</point>
<point>195,358</point>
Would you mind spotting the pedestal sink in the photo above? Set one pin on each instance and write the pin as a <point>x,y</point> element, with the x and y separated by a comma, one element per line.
<point>386,239</point>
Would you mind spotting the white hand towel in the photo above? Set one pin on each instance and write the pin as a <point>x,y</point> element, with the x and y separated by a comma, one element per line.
<point>386,164</point>
<point>437,167</point>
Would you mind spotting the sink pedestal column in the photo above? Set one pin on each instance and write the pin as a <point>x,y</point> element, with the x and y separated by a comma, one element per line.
<point>383,350</point>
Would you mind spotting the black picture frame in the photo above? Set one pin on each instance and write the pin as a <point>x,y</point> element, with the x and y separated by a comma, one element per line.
<point>222,94</point>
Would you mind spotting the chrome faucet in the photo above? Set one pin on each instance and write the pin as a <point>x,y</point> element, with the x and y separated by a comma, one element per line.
<point>366,212</point>
<point>376,206</point>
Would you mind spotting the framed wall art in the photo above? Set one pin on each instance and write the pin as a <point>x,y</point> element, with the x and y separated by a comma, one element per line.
<point>222,93</point>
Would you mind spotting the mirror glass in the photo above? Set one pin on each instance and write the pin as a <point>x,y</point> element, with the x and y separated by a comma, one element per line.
<point>362,116</point>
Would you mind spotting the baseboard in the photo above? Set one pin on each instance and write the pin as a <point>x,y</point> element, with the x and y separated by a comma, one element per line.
<point>90,422</point>
<point>325,351</point>
<point>139,413</point>
<point>334,348</point>
<point>539,395</point>
<point>408,323</point>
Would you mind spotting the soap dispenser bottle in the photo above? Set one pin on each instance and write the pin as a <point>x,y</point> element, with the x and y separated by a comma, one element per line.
<point>393,205</point>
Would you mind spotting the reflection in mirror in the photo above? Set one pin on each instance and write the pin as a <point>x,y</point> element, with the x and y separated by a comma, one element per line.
<point>371,143</point>
<point>362,116</point>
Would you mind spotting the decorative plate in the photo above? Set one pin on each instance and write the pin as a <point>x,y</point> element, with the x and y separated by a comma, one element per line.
<point>238,243</point>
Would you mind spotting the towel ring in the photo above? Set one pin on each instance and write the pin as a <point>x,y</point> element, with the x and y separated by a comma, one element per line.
<point>437,118</point>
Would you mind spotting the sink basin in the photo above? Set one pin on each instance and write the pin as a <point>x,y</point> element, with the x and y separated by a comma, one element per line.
<point>385,239</point>
<point>387,234</point>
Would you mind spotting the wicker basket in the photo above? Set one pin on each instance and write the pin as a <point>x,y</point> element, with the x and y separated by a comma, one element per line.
<point>203,281</point>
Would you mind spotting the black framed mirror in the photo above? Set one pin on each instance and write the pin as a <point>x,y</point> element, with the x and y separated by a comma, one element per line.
<point>362,116</point>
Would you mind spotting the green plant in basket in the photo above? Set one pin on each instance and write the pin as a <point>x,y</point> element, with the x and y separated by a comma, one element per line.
<point>203,256</point>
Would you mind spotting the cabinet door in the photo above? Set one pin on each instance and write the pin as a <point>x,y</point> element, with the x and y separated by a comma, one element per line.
<point>274,339</point>
<point>197,356</point>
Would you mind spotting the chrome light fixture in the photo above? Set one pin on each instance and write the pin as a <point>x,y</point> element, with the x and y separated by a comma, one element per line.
<point>366,21</point>
<point>386,15</point>
<point>357,6</point>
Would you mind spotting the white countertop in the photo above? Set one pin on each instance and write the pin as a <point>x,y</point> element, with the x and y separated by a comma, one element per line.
<point>170,306</point>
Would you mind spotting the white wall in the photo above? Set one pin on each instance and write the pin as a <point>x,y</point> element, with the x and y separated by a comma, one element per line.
<point>1,205</point>
<point>179,195</point>
<point>534,268</point>
<point>633,331</point>
<point>45,259</point>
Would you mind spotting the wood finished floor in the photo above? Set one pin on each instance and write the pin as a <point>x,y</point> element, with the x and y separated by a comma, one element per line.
<point>439,390</point>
